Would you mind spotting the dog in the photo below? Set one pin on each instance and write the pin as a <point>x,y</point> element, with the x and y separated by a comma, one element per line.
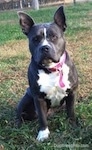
<point>52,75</point>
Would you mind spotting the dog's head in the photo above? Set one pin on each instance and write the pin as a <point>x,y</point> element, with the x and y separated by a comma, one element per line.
<point>46,41</point>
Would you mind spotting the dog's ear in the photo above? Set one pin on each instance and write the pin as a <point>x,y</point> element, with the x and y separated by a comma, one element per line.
<point>59,18</point>
<point>26,22</point>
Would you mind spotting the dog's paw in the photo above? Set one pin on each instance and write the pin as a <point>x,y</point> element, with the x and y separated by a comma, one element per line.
<point>43,134</point>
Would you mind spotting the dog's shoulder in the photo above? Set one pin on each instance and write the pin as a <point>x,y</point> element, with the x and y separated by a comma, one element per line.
<point>73,75</point>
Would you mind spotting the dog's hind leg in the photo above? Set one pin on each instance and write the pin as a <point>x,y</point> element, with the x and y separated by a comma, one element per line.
<point>26,108</point>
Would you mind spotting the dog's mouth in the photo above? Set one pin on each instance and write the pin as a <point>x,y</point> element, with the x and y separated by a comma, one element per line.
<point>47,62</point>
<point>50,63</point>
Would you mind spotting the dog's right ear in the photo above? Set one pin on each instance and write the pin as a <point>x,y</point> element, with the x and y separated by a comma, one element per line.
<point>26,22</point>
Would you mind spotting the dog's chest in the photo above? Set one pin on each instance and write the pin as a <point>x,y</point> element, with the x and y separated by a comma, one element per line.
<point>50,84</point>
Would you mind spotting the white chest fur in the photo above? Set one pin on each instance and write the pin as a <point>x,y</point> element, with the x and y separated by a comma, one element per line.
<point>49,84</point>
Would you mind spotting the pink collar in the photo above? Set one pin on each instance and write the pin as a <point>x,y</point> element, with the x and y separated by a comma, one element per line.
<point>58,67</point>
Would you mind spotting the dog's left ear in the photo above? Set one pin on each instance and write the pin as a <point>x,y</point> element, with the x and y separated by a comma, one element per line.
<point>59,18</point>
<point>26,22</point>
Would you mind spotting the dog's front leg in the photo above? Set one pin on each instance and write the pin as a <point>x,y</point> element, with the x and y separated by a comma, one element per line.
<point>70,108</point>
<point>41,108</point>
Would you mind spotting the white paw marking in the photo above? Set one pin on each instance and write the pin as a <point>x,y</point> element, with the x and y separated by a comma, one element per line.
<point>43,135</point>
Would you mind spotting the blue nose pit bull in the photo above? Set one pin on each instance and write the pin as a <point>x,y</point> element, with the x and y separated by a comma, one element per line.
<point>51,74</point>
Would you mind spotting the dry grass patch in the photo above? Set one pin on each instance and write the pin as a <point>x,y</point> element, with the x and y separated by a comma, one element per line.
<point>81,51</point>
<point>14,48</point>
<point>14,58</point>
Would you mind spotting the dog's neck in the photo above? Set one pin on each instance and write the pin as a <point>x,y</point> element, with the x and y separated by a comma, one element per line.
<point>57,67</point>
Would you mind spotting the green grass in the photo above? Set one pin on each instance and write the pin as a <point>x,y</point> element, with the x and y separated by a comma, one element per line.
<point>14,60</point>
<point>9,27</point>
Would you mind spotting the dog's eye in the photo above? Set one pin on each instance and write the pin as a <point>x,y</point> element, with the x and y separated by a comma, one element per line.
<point>53,37</point>
<point>36,39</point>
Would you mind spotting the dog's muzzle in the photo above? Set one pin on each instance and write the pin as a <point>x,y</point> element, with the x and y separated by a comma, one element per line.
<point>45,50</point>
<point>45,54</point>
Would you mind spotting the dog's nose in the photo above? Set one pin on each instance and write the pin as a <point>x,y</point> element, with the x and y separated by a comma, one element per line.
<point>45,48</point>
